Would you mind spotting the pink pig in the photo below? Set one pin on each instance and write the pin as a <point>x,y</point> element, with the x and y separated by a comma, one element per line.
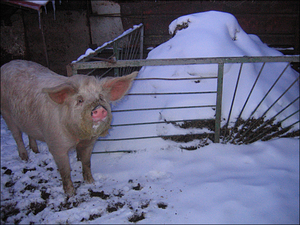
<point>64,112</point>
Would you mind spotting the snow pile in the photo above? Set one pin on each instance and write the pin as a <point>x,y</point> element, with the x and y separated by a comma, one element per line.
<point>207,34</point>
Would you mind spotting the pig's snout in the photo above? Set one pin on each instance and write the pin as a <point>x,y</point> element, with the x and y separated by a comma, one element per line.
<point>99,113</point>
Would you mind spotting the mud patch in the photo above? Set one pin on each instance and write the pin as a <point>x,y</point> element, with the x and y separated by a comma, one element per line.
<point>136,217</point>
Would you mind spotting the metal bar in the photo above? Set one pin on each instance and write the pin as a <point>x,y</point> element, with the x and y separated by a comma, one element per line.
<point>174,79</point>
<point>250,127</point>
<point>127,139</point>
<point>270,89</point>
<point>146,109</point>
<point>142,42</point>
<point>116,54</point>
<point>219,103</point>
<point>250,93</point>
<point>232,102</point>
<point>185,61</point>
<point>263,125</point>
<point>146,137</point>
<point>280,132</point>
<point>127,50</point>
<point>105,45</point>
<point>177,93</point>
<point>133,47</point>
<point>151,123</point>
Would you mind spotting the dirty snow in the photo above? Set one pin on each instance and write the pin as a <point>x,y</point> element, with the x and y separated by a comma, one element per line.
<point>160,182</point>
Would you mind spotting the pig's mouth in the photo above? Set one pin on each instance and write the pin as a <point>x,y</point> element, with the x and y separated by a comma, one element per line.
<point>99,113</point>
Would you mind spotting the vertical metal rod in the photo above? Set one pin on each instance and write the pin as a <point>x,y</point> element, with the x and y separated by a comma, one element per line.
<point>142,42</point>
<point>262,116</point>
<point>244,106</point>
<point>233,99</point>
<point>261,102</point>
<point>219,102</point>
<point>116,54</point>
<point>127,49</point>
<point>253,86</point>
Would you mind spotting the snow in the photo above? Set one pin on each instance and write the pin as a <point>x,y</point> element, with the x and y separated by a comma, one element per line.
<point>159,182</point>
<point>257,183</point>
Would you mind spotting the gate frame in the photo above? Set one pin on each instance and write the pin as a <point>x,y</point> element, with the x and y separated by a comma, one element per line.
<point>220,61</point>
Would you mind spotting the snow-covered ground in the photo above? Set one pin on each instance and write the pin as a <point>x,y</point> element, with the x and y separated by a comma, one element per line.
<point>257,183</point>
<point>160,182</point>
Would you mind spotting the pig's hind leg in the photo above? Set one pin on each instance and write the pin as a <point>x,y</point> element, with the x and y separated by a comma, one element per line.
<point>33,144</point>
<point>17,134</point>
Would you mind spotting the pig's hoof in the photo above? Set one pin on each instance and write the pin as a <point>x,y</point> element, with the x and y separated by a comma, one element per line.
<point>89,179</point>
<point>23,156</point>
<point>35,150</point>
<point>70,192</point>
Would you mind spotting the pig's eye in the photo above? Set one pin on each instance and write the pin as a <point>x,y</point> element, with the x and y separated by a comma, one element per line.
<point>101,98</point>
<point>80,100</point>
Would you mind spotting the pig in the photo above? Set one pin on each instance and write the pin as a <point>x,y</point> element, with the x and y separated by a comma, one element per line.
<point>65,112</point>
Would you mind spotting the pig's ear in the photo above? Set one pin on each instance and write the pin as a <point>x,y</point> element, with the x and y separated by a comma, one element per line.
<point>117,87</point>
<point>59,93</point>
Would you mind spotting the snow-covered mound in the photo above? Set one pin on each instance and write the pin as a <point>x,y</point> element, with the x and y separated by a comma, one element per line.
<point>206,34</point>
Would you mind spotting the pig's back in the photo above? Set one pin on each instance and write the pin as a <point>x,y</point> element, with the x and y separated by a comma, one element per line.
<point>22,73</point>
<point>21,94</point>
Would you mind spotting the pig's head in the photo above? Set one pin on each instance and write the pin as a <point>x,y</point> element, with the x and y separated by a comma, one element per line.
<point>84,103</point>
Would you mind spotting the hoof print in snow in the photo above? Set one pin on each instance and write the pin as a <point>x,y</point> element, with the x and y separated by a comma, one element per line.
<point>138,187</point>
<point>114,207</point>
<point>8,211</point>
<point>162,205</point>
<point>94,216</point>
<point>136,217</point>
<point>145,205</point>
<point>30,188</point>
<point>8,172</point>
<point>36,207</point>
<point>119,194</point>
<point>100,194</point>
<point>25,170</point>
<point>45,195</point>
<point>9,184</point>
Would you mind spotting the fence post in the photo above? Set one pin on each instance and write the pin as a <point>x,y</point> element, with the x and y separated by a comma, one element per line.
<point>219,102</point>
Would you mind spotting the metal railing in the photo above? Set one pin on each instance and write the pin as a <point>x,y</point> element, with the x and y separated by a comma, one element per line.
<point>244,130</point>
<point>127,46</point>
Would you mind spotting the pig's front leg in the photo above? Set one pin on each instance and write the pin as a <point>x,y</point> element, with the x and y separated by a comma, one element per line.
<point>84,150</point>
<point>61,158</point>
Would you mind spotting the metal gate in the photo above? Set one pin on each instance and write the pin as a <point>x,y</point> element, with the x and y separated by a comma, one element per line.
<point>243,130</point>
